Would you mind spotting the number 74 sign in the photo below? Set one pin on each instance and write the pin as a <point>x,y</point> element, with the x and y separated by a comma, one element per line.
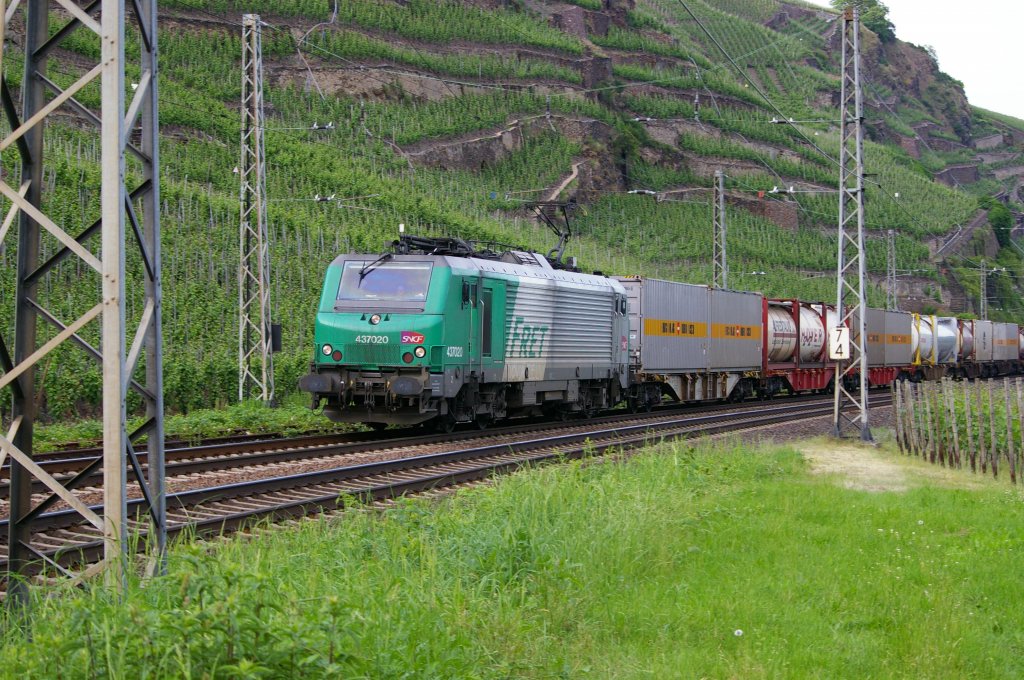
<point>839,343</point>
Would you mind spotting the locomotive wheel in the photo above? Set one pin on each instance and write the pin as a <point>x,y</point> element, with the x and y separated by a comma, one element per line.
<point>482,422</point>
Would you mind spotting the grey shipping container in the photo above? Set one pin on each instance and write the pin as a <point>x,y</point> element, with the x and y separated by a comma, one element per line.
<point>685,328</point>
<point>875,329</point>
<point>736,329</point>
<point>889,337</point>
<point>898,349</point>
<point>1005,342</point>
<point>983,341</point>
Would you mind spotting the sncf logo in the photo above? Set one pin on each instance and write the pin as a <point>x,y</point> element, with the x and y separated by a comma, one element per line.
<point>412,338</point>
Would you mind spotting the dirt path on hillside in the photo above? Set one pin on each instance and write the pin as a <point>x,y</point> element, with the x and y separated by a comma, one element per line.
<point>566,182</point>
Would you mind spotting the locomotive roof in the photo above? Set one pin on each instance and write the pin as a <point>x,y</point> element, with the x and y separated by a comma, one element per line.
<point>468,265</point>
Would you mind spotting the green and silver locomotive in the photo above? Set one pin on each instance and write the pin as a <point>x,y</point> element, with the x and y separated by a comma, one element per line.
<point>441,331</point>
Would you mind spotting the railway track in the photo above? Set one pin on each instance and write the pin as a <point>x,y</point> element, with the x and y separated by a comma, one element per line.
<point>62,539</point>
<point>251,452</point>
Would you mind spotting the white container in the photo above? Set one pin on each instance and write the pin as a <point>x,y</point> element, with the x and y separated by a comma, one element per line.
<point>784,337</point>
<point>947,338</point>
<point>967,339</point>
<point>923,340</point>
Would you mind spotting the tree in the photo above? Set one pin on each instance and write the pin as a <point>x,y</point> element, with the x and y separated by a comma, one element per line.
<point>1001,219</point>
<point>873,14</point>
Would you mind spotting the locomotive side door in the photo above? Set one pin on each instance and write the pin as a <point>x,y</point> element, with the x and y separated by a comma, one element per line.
<point>471,304</point>
<point>492,327</point>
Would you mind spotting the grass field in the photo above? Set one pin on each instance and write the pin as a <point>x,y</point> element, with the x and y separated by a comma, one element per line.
<point>687,562</point>
<point>292,416</point>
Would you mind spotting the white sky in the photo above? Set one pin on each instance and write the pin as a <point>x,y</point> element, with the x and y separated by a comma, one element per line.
<point>980,43</point>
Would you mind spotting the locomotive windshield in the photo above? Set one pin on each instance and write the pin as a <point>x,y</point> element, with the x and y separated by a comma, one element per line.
<point>395,281</point>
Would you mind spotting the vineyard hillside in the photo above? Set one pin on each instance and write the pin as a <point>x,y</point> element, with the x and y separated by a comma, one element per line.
<point>451,116</point>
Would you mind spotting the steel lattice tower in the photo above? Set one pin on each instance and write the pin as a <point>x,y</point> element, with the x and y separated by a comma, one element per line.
<point>720,278</point>
<point>983,287</point>
<point>851,271</point>
<point>255,360</point>
<point>891,303</point>
<point>127,224</point>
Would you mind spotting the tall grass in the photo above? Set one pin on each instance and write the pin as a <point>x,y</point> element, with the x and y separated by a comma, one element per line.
<point>690,562</point>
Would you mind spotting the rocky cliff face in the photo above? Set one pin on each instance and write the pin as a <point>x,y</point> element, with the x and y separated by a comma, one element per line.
<point>914,78</point>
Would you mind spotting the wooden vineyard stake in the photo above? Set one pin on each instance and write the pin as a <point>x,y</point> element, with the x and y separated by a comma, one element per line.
<point>922,430</point>
<point>947,391</point>
<point>1010,455</point>
<point>904,415</point>
<point>940,431</point>
<point>897,400</point>
<point>973,452</point>
<point>983,458</point>
<point>922,403</point>
<point>993,450</point>
<point>941,421</point>
<point>929,423</point>
<point>900,405</point>
<point>1020,415</point>
<point>908,390</point>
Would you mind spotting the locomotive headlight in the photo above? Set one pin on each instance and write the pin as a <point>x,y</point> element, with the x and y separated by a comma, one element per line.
<point>327,349</point>
<point>407,357</point>
<point>420,352</point>
<point>375,319</point>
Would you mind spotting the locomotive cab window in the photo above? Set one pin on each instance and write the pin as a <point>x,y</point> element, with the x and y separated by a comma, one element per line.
<point>394,281</point>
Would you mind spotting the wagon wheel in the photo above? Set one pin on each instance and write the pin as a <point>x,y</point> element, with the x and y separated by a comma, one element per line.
<point>444,424</point>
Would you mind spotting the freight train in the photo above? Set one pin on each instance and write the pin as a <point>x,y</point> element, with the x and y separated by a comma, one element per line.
<point>442,331</point>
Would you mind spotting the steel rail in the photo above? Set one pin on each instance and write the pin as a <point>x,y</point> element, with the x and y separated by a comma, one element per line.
<point>228,507</point>
<point>233,455</point>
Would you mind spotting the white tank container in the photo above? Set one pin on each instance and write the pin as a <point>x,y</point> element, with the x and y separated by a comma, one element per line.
<point>946,337</point>
<point>1020,344</point>
<point>922,338</point>
<point>783,338</point>
<point>831,318</point>
<point>967,340</point>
